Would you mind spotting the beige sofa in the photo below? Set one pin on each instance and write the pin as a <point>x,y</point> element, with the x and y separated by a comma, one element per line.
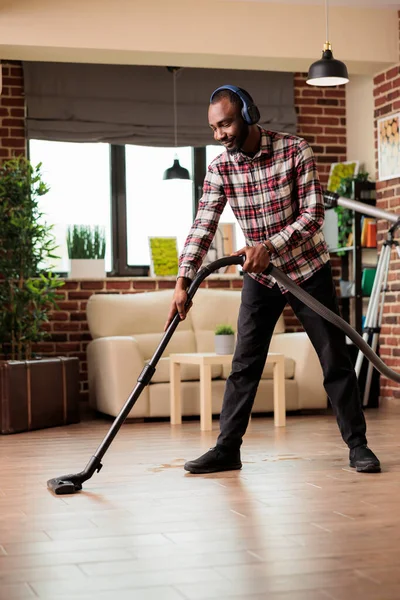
<point>126,330</point>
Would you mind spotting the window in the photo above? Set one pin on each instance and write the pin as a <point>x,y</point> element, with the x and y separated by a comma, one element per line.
<point>154,206</point>
<point>227,215</point>
<point>78,175</point>
<point>122,189</point>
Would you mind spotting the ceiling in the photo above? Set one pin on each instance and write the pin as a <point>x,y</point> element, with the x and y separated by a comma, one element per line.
<point>392,4</point>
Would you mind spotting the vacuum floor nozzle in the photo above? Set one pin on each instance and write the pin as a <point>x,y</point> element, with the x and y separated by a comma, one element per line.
<point>62,486</point>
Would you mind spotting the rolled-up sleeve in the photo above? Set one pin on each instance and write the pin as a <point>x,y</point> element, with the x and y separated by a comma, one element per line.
<point>201,233</point>
<point>310,202</point>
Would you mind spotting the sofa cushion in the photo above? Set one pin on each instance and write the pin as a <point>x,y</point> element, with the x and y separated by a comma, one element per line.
<point>181,341</point>
<point>188,372</point>
<point>130,314</point>
<point>141,316</point>
<point>268,370</point>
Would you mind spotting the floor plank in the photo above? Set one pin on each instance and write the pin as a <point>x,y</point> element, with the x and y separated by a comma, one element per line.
<point>296,523</point>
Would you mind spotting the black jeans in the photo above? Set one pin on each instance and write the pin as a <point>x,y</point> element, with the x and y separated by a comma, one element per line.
<point>259,312</point>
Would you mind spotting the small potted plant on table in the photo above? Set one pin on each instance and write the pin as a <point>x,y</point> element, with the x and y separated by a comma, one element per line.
<point>224,339</point>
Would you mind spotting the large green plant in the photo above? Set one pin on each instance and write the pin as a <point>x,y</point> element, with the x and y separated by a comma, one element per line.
<point>86,241</point>
<point>27,291</point>
<point>345,216</point>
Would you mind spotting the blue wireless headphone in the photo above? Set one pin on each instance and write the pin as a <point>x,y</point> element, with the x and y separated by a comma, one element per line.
<point>250,112</point>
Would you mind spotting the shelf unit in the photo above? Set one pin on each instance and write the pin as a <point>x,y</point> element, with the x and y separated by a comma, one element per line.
<point>352,264</point>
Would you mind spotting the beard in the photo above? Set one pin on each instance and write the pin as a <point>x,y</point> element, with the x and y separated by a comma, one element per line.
<point>240,138</point>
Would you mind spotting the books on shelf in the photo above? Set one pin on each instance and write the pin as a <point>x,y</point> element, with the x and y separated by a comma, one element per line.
<point>368,232</point>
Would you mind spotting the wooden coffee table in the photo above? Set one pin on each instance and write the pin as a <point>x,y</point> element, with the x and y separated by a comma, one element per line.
<point>205,360</point>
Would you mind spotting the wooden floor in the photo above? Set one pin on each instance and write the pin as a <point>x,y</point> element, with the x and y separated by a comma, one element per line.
<point>296,523</point>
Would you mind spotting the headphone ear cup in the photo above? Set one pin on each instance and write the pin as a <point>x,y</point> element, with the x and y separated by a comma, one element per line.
<point>245,115</point>
<point>250,114</point>
<point>254,114</point>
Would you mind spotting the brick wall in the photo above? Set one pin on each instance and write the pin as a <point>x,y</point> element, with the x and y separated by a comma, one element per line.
<point>12,112</point>
<point>322,122</point>
<point>387,102</point>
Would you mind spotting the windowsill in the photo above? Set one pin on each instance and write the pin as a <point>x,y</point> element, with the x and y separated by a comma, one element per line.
<point>215,276</point>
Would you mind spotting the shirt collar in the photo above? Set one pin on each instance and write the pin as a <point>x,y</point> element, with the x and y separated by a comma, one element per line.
<point>265,148</point>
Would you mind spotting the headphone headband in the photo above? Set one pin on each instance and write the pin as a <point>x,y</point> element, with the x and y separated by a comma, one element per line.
<point>250,112</point>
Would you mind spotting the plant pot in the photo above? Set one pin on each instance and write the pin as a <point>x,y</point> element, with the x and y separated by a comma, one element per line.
<point>87,268</point>
<point>36,394</point>
<point>224,344</point>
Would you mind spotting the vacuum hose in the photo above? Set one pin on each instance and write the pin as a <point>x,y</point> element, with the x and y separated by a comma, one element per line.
<point>311,302</point>
<point>335,319</point>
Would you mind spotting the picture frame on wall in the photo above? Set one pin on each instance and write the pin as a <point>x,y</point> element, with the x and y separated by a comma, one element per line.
<point>338,170</point>
<point>388,147</point>
<point>163,256</point>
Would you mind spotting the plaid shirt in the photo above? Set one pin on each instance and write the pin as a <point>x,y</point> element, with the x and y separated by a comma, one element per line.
<point>276,196</point>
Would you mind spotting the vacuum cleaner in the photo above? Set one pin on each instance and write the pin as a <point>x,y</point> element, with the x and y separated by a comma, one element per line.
<point>69,484</point>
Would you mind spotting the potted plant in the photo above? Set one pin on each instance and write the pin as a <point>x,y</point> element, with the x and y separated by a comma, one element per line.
<point>224,339</point>
<point>86,251</point>
<point>345,216</point>
<point>33,392</point>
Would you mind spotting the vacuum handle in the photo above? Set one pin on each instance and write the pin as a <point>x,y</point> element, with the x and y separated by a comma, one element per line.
<point>192,289</point>
<point>214,266</point>
<point>208,269</point>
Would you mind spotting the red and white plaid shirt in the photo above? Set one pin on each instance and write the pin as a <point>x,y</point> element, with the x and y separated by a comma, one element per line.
<point>275,195</point>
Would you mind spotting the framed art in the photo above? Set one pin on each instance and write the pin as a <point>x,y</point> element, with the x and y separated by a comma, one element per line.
<point>341,169</point>
<point>164,256</point>
<point>388,147</point>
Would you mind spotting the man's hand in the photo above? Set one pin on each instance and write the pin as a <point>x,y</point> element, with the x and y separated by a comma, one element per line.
<point>179,301</point>
<point>257,258</point>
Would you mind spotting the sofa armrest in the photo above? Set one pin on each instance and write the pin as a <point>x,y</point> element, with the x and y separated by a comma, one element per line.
<point>114,364</point>
<point>308,372</point>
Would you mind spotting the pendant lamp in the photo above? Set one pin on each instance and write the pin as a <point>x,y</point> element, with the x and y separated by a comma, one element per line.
<point>176,171</point>
<point>327,71</point>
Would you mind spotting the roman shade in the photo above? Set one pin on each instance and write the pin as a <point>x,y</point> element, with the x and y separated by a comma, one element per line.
<point>126,104</point>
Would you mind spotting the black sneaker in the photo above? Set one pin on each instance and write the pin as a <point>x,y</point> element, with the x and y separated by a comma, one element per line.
<point>364,460</point>
<point>216,459</point>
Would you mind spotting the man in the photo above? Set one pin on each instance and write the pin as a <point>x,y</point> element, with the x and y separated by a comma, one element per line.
<point>271,182</point>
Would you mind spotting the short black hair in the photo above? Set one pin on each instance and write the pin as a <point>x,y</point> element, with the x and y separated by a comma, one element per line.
<point>232,97</point>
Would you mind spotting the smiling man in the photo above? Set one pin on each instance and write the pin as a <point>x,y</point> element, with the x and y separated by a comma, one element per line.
<point>271,183</point>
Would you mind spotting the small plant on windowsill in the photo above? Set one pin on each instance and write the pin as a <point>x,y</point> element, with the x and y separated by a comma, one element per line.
<point>224,339</point>
<point>86,250</point>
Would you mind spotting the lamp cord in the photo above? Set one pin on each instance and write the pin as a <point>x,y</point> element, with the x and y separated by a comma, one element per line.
<point>326,21</point>
<point>175,112</point>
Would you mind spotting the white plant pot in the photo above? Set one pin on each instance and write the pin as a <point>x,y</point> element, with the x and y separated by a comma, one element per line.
<point>224,344</point>
<point>87,268</point>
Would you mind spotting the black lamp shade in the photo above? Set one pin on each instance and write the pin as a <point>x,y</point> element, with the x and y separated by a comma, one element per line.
<point>327,71</point>
<point>176,172</point>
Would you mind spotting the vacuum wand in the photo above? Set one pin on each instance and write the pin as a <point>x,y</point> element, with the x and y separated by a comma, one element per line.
<point>69,484</point>
<point>332,199</point>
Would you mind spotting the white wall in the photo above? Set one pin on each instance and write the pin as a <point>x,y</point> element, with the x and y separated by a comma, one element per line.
<point>197,33</point>
<point>360,122</point>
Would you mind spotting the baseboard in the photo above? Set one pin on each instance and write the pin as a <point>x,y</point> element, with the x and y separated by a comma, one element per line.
<point>389,405</point>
